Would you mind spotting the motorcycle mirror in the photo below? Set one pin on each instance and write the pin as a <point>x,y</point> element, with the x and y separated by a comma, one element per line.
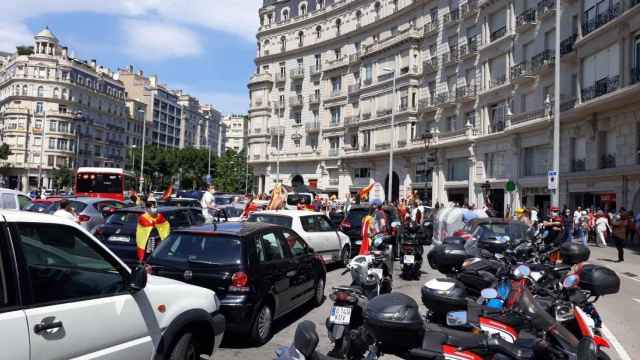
<point>521,272</point>
<point>570,281</point>
<point>489,293</point>
<point>457,318</point>
<point>587,349</point>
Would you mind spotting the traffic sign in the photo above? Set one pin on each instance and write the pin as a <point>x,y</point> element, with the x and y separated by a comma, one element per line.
<point>510,186</point>
<point>552,180</point>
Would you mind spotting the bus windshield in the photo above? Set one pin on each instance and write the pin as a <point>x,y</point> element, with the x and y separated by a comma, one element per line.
<point>99,183</point>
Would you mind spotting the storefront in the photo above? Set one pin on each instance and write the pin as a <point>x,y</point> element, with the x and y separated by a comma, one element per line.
<point>459,196</point>
<point>604,201</point>
<point>538,197</point>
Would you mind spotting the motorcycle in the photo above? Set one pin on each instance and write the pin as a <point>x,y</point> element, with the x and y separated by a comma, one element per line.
<point>411,254</point>
<point>304,344</point>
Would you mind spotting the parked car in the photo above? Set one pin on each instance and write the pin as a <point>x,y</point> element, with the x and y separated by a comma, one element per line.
<point>315,228</point>
<point>14,199</point>
<point>118,233</point>
<point>91,212</point>
<point>352,225</point>
<point>259,271</point>
<point>61,289</point>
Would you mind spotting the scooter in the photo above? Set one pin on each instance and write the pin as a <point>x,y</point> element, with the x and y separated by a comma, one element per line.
<point>411,254</point>
<point>304,345</point>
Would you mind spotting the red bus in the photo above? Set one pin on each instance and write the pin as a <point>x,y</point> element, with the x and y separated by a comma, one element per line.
<point>108,183</point>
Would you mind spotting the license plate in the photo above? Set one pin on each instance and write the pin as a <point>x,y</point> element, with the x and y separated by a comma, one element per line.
<point>340,315</point>
<point>116,238</point>
<point>409,259</point>
<point>377,271</point>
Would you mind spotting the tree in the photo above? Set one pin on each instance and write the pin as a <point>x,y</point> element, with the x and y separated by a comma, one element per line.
<point>231,172</point>
<point>5,151</point>
<point>62,177</point>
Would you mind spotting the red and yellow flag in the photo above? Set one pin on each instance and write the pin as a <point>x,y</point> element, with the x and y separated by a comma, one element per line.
<point>146,223</point>
<point>167,193</point>
<point>364,193</point>
<point>278,198</point>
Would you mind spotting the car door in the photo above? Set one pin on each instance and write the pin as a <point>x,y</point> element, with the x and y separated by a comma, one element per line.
<point>274,270</point>
<point>301,268</point>
<point>14,333</point>
<point>77,300</point>
<point>317,236</point>
<point>331,231</point>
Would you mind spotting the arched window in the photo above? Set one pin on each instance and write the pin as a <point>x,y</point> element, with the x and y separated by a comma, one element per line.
<point>303,9</point>
<point>64,94</point>
<point>285,14</point>
<point>25,90</point>
<point>358,16</point>
<point>395,5</point>
<point>283,43</point>
<point>338,24</point>
<point>320,4</point>
<point>376,7</point>
<point>55,92</point>
<point>40,91</point>
<point>300,39</point>
<point>265,47</point>
<point>318,32</point>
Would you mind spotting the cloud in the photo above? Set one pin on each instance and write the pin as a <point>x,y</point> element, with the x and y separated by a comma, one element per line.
<point>13,34</point>
<point>225,102</point>
<point>151,41</point>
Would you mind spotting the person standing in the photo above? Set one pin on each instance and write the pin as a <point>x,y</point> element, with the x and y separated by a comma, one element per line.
<point>207,202</point>
<point>602,226</point>
<point>620,224</point>
<point>366,232</point>
<point>568,225</point>
<point>66,211</point>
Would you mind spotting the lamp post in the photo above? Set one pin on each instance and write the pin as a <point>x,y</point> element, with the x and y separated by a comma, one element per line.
<point>144,140</point>
<point>393,133</point>
<point>555,198</point>
<point>427,136</point>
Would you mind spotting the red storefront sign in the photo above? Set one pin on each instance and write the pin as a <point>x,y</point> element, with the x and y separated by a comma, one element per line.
<point>313,183</point>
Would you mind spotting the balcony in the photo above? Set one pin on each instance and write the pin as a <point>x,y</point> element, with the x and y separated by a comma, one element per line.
<point>312,126</point>
<point>256,157</point>
<point>334,182</point>
<point>353,89</point>
<point>426,105</point>
<point>279,105</point>
<point>296,101</point>
<point>406,108</point>
<point>543,61</point>
<point>334,152</point>
<point>336,64</point>
<point>445,99</point>
<point>355,58</point>
<point>522,117</point>
<point>335,93</point>
<point>280,77</point>
<point>469,50</point>
<point>431,28</point>
<point>498,34</point>
<point>297,74</point>
<point>526,20</point>
<point>522,73</point>
<point>314,99</point>
<point>568,45</point>
<point>315,70</point>
<point>401,144</point>
<point>578,165</point>
<point>334,123</point>
<point>367,82</point>
<point>410,34</point>
<point>607,161</point>
<point>451,18</point>
<point>383,112</point>
<point>430,66</point>
<point>383,146</point>
<point>450,58</point>
<point>600,20</point>
<point>496,125</point>
<point>351,121</point>
<point>546,8</point>
<point>466,93</point>
<point>469,9</point>
<point>601,87</point>
<point>366,116</point>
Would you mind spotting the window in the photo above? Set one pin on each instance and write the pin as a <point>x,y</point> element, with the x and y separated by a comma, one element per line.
<point>318,32</point>
<point>315,223</point>
<point>458,169</point>
<point>178,219</point>
<point>63,264</point>
<point>285,14</point>
<point>537,160</point>
<point>362,173</point>
<point>268,248</point>
<point>303,9</point>
<point>295,243</point>
<point>335,115</point>
<point>336,85</point>
<point>494,165</point>
<point>39,108</point>
<point>338,24</point>
<point>271,219</point>
<point>23,202</point>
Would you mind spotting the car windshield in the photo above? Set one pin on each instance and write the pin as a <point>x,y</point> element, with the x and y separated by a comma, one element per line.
<point>123,218</point>
<point>271,219</point>
<point>38,207</point>
<point>223,200</point>
<point>78,205</point>
<point>294,199</point>
<point>200,248</point>
<point>355,216</point>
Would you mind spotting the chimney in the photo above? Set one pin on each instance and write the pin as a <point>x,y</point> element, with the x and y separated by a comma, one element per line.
<point>93,63</point>
<point>131,69</point>
<point>65,52</point>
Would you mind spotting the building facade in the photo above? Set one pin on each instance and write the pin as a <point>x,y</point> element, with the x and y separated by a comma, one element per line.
<point>211,133</point>
<point>58,111</point>
<point>476,76</point>
<point>234,128</point>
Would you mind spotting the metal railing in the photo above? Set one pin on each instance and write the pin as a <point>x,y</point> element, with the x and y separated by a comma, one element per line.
<point>431,28</point>
<point>334,152</point>
<point>366,115</point>
<point>353,89</point>
<point>296,101</point>
<point>599,20</point>
<point>297,74</point>
<point>470,8</point>
<point>546,7</point>
<point>521,71</point>
<point>406,107</point>
<point>498,81</point>
<point>544,58</point>
<point>451,57</point>
<point>451,17</point>
<point>430,66</point>
<point>351,120</point>
<point>383,112</point>
<point>383,146</point>
<point>601,87</point>
<point>315,70</point>
<point>426,104</point>
<point>526,18</point>
<point>281,77</point>
<point>497,34</point>
<point>470,48</point>
<point>568,45</point>
<point>279,105</point>
<point>314,99</point>
<point>466,92</point>
<point>497,125</point>
<point>312,126</point>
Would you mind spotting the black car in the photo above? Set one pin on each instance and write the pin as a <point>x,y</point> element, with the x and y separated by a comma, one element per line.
<point>119,230</point>
<point>181,202</point>
<point>352,225</point>
<point>259,271</point>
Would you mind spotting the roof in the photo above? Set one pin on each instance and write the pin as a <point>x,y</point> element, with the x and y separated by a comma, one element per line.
<point>229,228</point>
<point>46,33</point>
<point>27,216</point>
<point>100,170</point>
<point>288,212</point>
<point>89,200</point>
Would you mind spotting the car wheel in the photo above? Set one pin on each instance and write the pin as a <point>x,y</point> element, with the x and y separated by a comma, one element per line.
<point>185,349</point>
<point>262,325</point>
<point>318,295</point>
<point>345,255</point>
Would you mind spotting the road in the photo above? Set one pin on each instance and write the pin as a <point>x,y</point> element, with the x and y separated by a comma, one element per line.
<point>621,312</point>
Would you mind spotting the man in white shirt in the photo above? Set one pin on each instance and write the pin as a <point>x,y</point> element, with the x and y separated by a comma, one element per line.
<point>208,202</point>
<point>66,211</point>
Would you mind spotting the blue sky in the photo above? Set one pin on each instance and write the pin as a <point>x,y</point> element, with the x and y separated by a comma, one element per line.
<point>205,47</point>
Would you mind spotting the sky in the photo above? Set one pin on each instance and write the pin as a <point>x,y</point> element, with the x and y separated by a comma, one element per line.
<point>205,47</point>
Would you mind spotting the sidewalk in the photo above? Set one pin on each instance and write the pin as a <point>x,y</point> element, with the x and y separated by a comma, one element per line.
<point>609,256</point>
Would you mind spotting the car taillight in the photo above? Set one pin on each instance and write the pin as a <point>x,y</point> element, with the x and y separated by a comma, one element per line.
<point>99,230</point>
<point>345,225</point>
<point>239,282</point>
<point>84,218</point>
<point>341,296</point>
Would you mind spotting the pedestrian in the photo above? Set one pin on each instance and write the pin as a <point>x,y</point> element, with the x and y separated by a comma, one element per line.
<point>630,226</point>
<point>568,225</point>
<point>207,202</point>
<point>620,224</point>
<point>366,232</point>
<point>66,211</point>
<point>592,225</point>
<point>149,221</point>
<point>602,227</point>
<point>380,217</point>
<point>582,227</point>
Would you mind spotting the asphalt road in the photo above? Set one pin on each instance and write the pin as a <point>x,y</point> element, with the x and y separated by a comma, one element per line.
<point>620,312</point>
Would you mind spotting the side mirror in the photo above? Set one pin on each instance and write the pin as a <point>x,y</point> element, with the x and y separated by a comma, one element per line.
<point>138,278</point>
<point>489,293</point>
<point>587,349</point>
<point>457,318</point>
<point>521,272</point>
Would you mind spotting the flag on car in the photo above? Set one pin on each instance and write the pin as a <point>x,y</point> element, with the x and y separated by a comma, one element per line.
<point>146,223</point>
<point>278,196</point>
<point>166,195</point>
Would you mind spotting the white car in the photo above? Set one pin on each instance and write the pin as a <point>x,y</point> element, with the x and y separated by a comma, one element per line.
<point>315,228</point>
<point>65,295</point>
<point>14,199</point>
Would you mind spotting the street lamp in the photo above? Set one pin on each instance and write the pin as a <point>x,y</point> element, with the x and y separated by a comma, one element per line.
<point>393,133</point>
<point>555,199</point>
<point>144,140</point>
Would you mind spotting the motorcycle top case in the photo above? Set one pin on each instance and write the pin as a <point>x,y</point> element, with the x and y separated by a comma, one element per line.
<point>599,280</point>
<point>480,275</point>
<point>496,245</point>
<point>394,318</point>
<point>447,258</point>
<point>443,295</point>
<point>572,254</point>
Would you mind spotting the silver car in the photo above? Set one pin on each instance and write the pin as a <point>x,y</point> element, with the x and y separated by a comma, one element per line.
<point>92,211</point>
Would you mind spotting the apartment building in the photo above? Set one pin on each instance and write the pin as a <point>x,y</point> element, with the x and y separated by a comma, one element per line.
<point>476,76</point>
<point>234,128</point>
<point>210,134</point>
<point>57,111</point>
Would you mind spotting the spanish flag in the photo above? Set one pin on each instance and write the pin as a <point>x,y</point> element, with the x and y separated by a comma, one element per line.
<point>166,195</point>
<point>278,197</point>
<point>146,223</point>
<point>364,193</point>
